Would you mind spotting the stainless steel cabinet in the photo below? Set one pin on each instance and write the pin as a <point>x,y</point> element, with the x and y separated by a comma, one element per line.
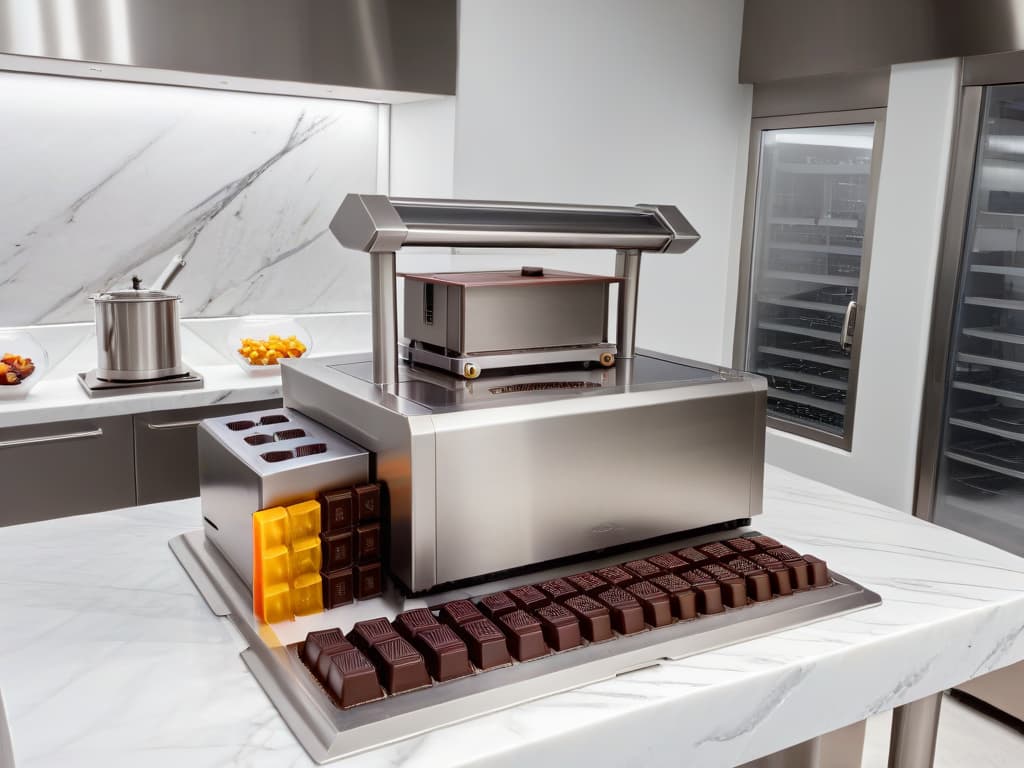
<point>806,243</point>
<point>66,468</point>
<point>166,457</point>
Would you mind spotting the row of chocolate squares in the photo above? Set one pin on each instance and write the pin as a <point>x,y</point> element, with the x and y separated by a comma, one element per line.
<point>529,622</point>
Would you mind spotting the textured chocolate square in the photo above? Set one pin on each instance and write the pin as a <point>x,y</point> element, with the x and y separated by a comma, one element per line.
<point>400,667</point>
<point>317,641</point>
<point>759,586</point>
<point>337,550</point>
<point>337,510</point>
<point>587,583</point>
<point>367,543</point>
<point>742,545</point>
<point>528,597</point>
<point>323,662</point>
<point>367,502</point>
<point>799,571</point>
<point>668,562</point>
<point>338,587</point>
<point>734,588</point>
<point>446,654</point>
<point>654,603</point>
<point>709,594</point>
<point>615,576</point>
<point>492,606</point>
<point>716,550</point>
<point>524,635</point>
<point>365,634</point>
<point>627,615</point>
<point>368,580</point>
<point>765,542</point>
<point>352,680</point>
<point>486,644</point>
<point>682,598</point>
<point>778,573</point>
<point>818,571</point>
<point>459,612</point>
<point>595,618</point>
<point>692,556</point>
<point>560,626</point>
<point>411,623</point>
<point>642,569</point>
<point>559,590</point>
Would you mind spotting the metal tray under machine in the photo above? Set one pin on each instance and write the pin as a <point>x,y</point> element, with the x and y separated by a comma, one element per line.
<point>383,402</point>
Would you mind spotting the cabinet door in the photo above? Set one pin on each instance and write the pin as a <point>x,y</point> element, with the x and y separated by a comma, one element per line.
<point>66,468</point>
<point>166,457</point>
<point>807,238</point>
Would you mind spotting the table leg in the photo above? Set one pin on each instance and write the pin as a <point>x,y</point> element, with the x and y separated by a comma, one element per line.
<point>806,754</point>
<point>914,728</point>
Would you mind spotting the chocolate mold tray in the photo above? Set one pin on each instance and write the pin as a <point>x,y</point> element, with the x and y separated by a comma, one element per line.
<point>328,732</point>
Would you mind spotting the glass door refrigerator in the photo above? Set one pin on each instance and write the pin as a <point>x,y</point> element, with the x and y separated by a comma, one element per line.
<point>971,462</point>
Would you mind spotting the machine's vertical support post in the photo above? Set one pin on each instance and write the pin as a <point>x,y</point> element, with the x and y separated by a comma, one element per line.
<point>627,266</point>
<point>914,729</point>
<point>384,317</point>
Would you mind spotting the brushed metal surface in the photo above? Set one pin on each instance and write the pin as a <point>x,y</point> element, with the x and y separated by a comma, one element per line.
<point>655,448</point>
<point>627,266</point>
<point>66,468</point>
<point>384,317</point>
<point>823,93</point>
<point>378,44</point>
<point>94,386</point>
<point>799,38</point>
<point>915,727</point>
<point>235,481</point>
<point>954,229</point>
<point>329,733</point>
<point>490,361</point>
<point>993,69</point>
<point>137,339</point>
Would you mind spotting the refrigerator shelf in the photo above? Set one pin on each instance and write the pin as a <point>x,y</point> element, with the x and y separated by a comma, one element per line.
<point>797,330</point>
<point>833,427</point>
<point>825,169</point>
<point>1000,220</point>
<point>810,277</point>
<point>995,269</point>
<point>800,399</point>
<point>822,248</point>
<point>1001,456</point>
<point>992,333</point>
<point>994,362</point>
<point>813,221</point>
<point>989,427</point>
<point>796,354</point>
<point>816,306</point>
<point>985,301</point>
<point>806,378</point>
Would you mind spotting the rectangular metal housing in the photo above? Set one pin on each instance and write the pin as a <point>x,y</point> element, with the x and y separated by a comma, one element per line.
<point>508,472</point>
<point>235,481</point>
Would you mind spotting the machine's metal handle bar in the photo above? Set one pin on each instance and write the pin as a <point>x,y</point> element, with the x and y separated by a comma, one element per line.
<point>454,237</point>
<point>849,325</point>
<point>98,432</point>
<point>174,425</point>
<point>627,266</point>
<point>384,318</point>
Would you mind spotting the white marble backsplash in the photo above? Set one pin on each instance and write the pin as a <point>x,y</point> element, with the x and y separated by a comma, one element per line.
<point>102,180</point>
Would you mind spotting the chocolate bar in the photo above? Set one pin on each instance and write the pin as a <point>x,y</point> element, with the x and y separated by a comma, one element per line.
<point>627,615</point>
<point>411,623</point>
<point>367,580</point>
<point>716,550</point>
<point>666,561</point>
<point>560,626</point>
<point>367,543</point>
<point>366,634</point>
<point>337,510</point>
<point>765,542</point>
<point>642,569</point>
<point>778,573</point>
<point>819,571</point>
<point>446,654</point>
<point>587,583</point>
<point>459,612</point>
<point>400,667</point>
<point>338,587</point>
<point>367,502</point>
<point>615,576</point>
<point>692,556</point>
<point>734,588</point>
<point>595,619</point>
<point>559,590</point>
<point>528,598</point>
<point>682,599</point>
<point>493,606</point>
<point>743,546</point>
<point>337,550</point>
<point>709,594</point>
<point>759,586</point>
<point>351,679</point>
<point>653,602</point>
<point>316,642</point>
<point>323,662</point>
<point>524,635</point>
<point>486,644</point>
<point>799,572</point>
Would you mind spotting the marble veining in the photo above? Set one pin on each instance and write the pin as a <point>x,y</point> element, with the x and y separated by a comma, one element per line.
<point>113,178</point>
<point>108,656</point>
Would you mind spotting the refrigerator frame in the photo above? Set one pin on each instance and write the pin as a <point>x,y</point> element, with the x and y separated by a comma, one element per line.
<point>741,335</point>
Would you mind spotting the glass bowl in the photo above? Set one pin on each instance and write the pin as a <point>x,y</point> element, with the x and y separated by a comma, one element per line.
<point>23,364</point>
<point>262,352</point>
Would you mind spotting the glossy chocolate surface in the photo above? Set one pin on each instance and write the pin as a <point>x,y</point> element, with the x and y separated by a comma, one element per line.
<point>627,615</point>
<point>493,605</point>
<point>595,618</point>
<point>524,635</point>
<point>653,601</point>
<point>445,652</point>
<point>560,626</point>
<point>559,590</point>
<point>486,644</point>
<point>337,510</point>
<point>410,623</point>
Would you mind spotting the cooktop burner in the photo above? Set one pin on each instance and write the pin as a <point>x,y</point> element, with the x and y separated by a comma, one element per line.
<point>94,386</point>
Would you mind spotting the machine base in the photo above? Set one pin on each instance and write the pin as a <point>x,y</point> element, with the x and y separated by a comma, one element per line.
<point>328,733</point>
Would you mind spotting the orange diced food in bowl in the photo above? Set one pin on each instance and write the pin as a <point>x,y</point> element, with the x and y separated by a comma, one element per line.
<point>268,351</point>
<point>14,369</point>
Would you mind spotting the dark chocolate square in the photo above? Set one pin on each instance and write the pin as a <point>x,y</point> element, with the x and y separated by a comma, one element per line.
<point>411,623</point>
<point>524,634</point>
<point>734,588</point>
<point>492,606</point>
<point>778,573</point>
<point>560,626</point>
<point>759,586</point>
<point>642,569</point>
<point>337,550</point>
<point>668,562</point>
<point>368,580</point>
<point>338,588</point>
<point>654,602</point>
<point>615,576</point>
<point>351,679</point>
<point>765,542</point>
<point>742,545</point>
<point>459,612</point>
<point>709,594</point>
<point>559,590</point>
<point>818,571</point>
<point>400,667</point>
<point>587,583</point>
<point>595,618</point>
<point>365,634</point>
<point>717,550</point>
<point>367,502</point>
<point>528,597</point>
<point>323,662</point>
<point>627,615</point>
<point>681,597</point>
<point>317,641</point>
<point>367,543</point>
<point>799,571</point>
<point>486,644</point>
<point>446,654</point>
<point>692,556</point>
<point>337,510</point>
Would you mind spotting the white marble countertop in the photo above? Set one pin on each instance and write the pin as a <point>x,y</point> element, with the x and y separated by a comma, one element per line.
<point>108,656</point>
<point>72,349</point>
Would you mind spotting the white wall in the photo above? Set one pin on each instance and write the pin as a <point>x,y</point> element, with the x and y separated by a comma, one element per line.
<point>904,254</point>
<point>609,102</point>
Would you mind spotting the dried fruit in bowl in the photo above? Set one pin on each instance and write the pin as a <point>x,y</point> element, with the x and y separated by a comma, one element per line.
<point>268,351</point>
<point>14,369</point>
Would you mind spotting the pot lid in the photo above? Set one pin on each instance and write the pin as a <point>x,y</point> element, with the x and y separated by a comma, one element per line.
<point>132,295</point>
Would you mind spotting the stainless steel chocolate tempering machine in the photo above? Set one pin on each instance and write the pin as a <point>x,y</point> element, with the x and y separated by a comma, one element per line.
<point>511,434</point>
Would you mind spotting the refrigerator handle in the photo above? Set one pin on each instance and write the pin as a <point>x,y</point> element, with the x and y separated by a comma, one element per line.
<point>849,326</point>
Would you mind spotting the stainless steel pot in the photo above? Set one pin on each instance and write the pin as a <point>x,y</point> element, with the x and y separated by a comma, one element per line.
<point>137,335</point>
